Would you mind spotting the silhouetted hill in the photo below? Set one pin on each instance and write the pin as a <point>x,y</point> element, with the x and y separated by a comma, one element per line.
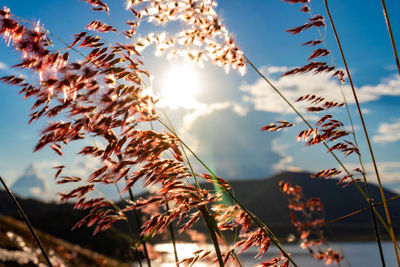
<point>58,220</point>
<point>17,248</point>
<point>263,197</point>
<point>30,184</point>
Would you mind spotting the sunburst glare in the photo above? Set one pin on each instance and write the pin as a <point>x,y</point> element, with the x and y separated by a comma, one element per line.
<point>179,86</point>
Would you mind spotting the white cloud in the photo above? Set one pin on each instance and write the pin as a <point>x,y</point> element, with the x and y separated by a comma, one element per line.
<point>388,87</point>
<point>366,111</point>
<point>230,144</point>
<point>274,69</point>
<point>265,98</point>
<point>286,161</point>
<point>389,172</point>
<point>3,66</point>
<point>206,110</point>
<point>308,117</point>
<point>81,167</point>
<point>47,164</point>
<point>388,133</point>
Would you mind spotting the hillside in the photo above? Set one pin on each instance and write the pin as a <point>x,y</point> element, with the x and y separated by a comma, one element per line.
<point>17,248</point>
<point>262,197</point>
<point>58,219</point>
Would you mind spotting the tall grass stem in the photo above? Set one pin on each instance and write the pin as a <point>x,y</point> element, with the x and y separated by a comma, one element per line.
<point>26,220</point>
<point>171,231</point>
<point>359,211</point>
<point>370,201</point>
<point>326,146</point>
<point>130,230</point>
<point>139,225</point>
<point>210,226</point>
<point>389,222</point>
<point>389,26</point>
<point>254,218</point>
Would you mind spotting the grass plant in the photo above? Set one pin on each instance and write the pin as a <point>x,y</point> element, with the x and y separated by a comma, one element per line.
<point>103,96</point>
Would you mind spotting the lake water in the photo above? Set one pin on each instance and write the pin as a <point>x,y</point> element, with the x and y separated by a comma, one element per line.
<point>364,254</point>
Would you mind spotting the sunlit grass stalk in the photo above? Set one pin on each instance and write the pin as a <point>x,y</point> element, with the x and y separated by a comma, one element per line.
<point>142,239</point>
<point>389,26</point>
<point>211,230</point>
<point>370,200</point>
<point>325,145</point>
<point>214,224</point>
<point>130,231</point>
<point>26,221</point>
<point>391,231</point>
<point>254,218</point>
<point>139,226</point>
<point>171,128</point>
<point>211,225</point>
<point>208,221</point>
<point>170,227</point>
<point>368,192</point>
<point>360,211</point>
<point>173,241</point>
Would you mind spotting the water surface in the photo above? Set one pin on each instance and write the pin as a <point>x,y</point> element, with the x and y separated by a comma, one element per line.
<point>359,254</point>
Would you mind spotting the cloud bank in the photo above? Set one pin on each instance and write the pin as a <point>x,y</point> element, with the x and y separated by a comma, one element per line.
<point>265,99</point>
<point>388,133</point>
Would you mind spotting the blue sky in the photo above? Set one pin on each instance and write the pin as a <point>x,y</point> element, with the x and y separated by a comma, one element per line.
<point>225,129</point>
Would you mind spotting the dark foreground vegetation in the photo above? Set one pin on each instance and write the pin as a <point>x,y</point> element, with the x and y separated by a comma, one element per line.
<point>17,248</point>
<point>261,196</point>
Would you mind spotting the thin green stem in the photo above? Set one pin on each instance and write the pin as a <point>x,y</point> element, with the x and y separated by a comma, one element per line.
<point>171,231</point>
<point>396,56</point>
<point>27,222</point>
<point>139,225</point>
<point>359,211</point>
<point>254,218</point>
<point>389,221</point>
<point>130,230</point>
<point>214,239</point>
<point>171,128</point>
<point>325,145</point>
<point>370,201</point>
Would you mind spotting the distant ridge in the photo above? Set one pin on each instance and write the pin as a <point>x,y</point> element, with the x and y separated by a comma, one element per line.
<point>262,197</point>
<point>30,184</point>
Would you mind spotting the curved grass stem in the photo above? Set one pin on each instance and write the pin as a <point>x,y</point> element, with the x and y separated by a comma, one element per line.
<point>387,213</point>
<point>326,146</point>
<point>396,56</point>
<point>370,202</point>
<point>27,222</point>
<point>139,224</point>
<point>204,210</point>
<point>172,233</point>
<point>359,211</point>
<point>211,230</point>
<point>130,230</point>
<point>254,218</point>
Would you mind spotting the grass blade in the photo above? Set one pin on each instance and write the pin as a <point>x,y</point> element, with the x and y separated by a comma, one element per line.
<point>26,220</point>
<point>389,222</point>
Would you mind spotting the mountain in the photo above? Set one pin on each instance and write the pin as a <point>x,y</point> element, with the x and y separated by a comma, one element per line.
<point>17,248</point>
<point>58,219</point>
<point>263,197</point>
<point>30,184</point>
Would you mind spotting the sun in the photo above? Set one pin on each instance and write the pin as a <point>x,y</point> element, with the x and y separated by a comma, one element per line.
<point>179,86</point>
